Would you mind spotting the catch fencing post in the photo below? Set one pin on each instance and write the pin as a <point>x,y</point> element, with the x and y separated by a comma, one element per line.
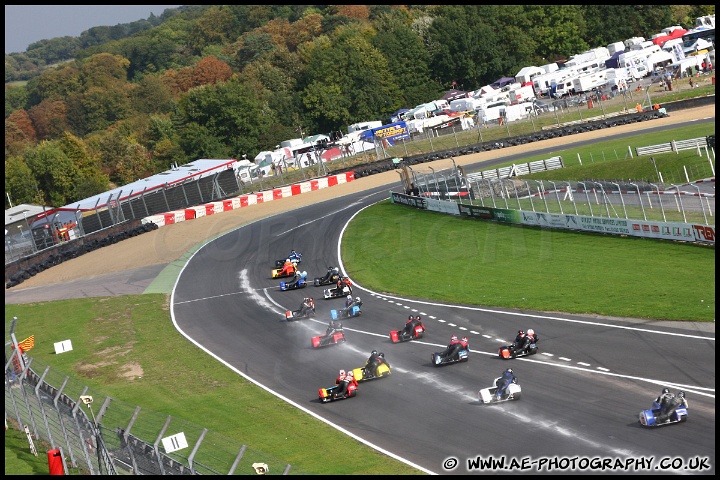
<point>640,200</point>
<point>700,200</point>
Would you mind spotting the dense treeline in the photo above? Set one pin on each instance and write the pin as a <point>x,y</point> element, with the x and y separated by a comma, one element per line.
<point>121,103</point>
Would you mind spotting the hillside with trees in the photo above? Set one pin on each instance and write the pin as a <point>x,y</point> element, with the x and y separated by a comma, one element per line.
<point>85,114</point>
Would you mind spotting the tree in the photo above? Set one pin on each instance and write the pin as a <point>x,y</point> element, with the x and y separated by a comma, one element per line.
<point>211,70</point>
<point>198,141</point>
<point>230,112</point>
<point>104,71</point>
<point>50,118</point>
<point>55,84</point>
<point>215,27</point>
<point>151,95</point>
<point>53,171</point>
<point>408,60</point>
<point>24,131</point>
<point>349,63</point>
<point>20,181</point>
<point>254,45</point>
<point>97,108</point>
<point>15,99</point>
<point>134,164</point>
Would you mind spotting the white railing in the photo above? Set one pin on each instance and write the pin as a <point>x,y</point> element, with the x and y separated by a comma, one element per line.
<point>674,146</point>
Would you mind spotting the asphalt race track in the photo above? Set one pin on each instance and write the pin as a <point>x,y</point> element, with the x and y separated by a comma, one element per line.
<point>581,394</point>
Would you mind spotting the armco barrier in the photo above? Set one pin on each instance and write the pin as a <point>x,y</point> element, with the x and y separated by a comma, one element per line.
<point>247,200</point>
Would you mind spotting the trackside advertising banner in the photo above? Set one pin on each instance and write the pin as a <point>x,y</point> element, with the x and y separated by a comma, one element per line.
<point>686,232</point>
<point>417,202</point>
<point>392,132</point>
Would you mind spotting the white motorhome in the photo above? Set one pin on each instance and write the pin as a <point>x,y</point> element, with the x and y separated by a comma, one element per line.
<point>642,45</point>
<point>707,21</point>
<point>615,47</point>
<point>633,41</point>
<point>679,68</point>
<point>563,87</point>
<point>465,105</point>
<point>659,60</point>
<point>526,74</point>
<point>245,170</point>
<point>589,82</point>
<point>518,111</point>
<point>598,55</point>
<point>522,94</point>
<point>550,67</point>
<point>639,56</point>
<point>356,127</point>
<point>491,111</point>
<point>543,83</point>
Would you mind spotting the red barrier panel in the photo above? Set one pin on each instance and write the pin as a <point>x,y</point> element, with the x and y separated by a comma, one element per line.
<point>277,194</point>
<point>244,201</point>
<point>332,181</point>
<point>295,189</point>
<point>189,214</point>
<point>350,176</point>
<point>259,198</point>
<point>227,205</point>
<point>314,185</point>
<point>209,209</point>
<point>169,218</point>
<point>55,462</point>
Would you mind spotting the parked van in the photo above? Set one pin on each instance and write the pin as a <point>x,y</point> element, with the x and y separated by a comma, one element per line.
<point>562,88</point>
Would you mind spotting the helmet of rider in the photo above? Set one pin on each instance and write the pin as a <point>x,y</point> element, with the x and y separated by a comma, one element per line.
<point>530,332</point>
<point>665,391</point>
<point>681,394</point>
<point>509,370</point>
<point>453,338</point>
<point>357,299</point>
<point>410,317</point>
<point>304,274</point>
<point>349,297</point>
<point>417,317</point>
<point>465,339</point>
<point>342,373</point>
<point>287,260</point>
<point>374,352</point>
<point>521,332</point>
<point>381,354</point>
<point>350,374</point>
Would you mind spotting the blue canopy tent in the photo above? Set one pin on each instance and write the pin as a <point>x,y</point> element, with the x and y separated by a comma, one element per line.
<point>614,61</point>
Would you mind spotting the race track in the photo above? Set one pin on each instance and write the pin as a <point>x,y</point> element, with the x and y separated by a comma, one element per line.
<point>581,394</point>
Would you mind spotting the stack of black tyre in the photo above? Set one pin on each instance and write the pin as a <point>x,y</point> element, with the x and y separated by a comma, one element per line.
<point>76,251</point>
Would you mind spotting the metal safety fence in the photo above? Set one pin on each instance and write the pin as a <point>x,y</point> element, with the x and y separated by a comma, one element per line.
<point>100,435</point>
<point>628,199</point>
